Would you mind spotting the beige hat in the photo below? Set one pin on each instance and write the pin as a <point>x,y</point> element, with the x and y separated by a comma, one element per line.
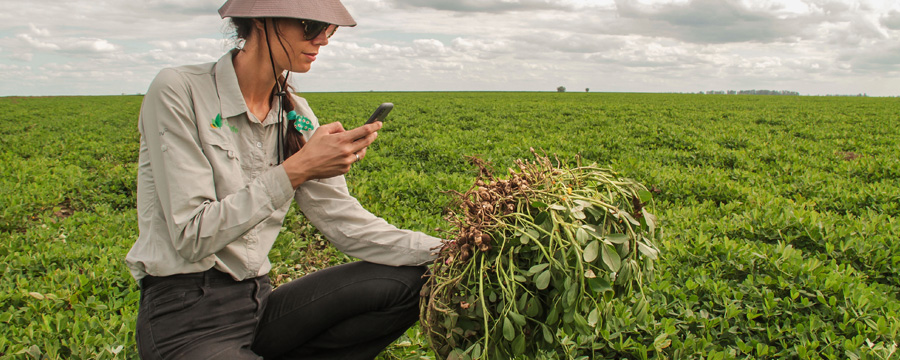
<point>329,11</point>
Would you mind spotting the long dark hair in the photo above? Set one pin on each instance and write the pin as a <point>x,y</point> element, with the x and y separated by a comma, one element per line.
<point>290,139</point>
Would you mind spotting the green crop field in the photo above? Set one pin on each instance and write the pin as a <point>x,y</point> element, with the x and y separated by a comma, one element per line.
<point>780,214</point>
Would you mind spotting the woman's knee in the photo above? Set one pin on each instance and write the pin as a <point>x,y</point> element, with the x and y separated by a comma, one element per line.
<point>402,282</point>
<point>413,276</point>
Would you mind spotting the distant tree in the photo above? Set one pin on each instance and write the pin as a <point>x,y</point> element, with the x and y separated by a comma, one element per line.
<point>561,89</point>
<point>768,92</point>
<point>587,89</point>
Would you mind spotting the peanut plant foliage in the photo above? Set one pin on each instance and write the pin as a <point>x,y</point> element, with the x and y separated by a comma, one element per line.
<point>541,256</point>
<point>778,216</point>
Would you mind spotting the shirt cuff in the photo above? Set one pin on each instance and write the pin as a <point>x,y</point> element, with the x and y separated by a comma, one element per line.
<point>429,247</point>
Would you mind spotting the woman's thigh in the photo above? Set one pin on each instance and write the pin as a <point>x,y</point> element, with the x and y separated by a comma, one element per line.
<point>339,307</point>
<point>195,317</point>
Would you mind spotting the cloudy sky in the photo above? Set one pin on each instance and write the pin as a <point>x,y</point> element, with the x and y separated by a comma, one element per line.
<point>816,47</point>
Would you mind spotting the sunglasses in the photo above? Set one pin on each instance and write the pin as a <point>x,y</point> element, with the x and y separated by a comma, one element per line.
<point>312,29</point>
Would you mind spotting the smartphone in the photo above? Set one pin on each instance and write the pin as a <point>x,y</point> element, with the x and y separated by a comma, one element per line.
<point>380,113</point>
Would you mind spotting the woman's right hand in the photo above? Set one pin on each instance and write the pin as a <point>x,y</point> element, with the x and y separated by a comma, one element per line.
<point>329,152</point>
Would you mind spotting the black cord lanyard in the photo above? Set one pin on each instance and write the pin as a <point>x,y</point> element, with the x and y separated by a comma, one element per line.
<point>279,91</point>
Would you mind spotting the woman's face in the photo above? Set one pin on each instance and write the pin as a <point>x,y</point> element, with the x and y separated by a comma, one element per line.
<point>293,52</point>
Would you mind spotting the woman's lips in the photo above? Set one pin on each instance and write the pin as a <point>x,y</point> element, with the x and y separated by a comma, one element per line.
<point>311,56</point>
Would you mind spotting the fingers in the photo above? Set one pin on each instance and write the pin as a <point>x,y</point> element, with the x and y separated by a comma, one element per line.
<point>363,131</point>
<point>361,154</point>
<point>332,128</point>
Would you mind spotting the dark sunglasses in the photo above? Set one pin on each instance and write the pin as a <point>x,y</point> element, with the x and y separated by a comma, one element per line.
<point>312,29</point>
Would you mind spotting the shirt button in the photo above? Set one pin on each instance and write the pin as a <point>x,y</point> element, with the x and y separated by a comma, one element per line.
<point>259,144</point>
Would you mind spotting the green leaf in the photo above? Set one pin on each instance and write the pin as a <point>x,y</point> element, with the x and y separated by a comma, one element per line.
<point>538,204</point>
<point>647,251</point>
<point>542,280</point>
<point>578,213</point>
<point>34,351</point>
<point>611,258</point>
<point>547,336</point>
<point>553,316</point>
<point>582,236</point>
<point>625,273</point>
<point>580,320</point>
<point>517,318</point>
<point>509,332</point>
<point>628,217</point>
<point>533,307</point>
<point>593,230</point>
<point>591,251</point>
<point>650,220</point>
<point>530,234</point>
<point>519,345</point>
<point>661,342</point>
<point>541,218</point>
<point>457,354</point>
<point>617,238</point>
<point>476,351</point>
<point>571,295</point>
<point>593,317</point>
<point>599,284</point>
<point>537,268</point>
<point>645,196</point>
<point>595,212</point>
<point>641,306</point>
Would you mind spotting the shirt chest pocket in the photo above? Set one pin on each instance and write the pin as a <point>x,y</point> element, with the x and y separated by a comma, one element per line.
<point>225,161</point>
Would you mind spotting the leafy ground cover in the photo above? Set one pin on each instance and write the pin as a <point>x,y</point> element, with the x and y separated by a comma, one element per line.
<point>780,214</point>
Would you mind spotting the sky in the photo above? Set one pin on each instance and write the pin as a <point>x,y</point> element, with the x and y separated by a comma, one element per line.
<point>814,47</point>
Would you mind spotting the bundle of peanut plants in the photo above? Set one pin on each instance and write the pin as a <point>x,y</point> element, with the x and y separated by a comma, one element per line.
<point>537,260</point>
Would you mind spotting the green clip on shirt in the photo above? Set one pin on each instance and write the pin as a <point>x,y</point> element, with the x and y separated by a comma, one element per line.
<point>210,194</point>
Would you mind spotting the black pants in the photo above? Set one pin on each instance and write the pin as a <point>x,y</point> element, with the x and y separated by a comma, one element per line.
<point>351,311</point>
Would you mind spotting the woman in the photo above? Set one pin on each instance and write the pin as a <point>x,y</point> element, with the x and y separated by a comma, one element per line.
<point>225,146</point>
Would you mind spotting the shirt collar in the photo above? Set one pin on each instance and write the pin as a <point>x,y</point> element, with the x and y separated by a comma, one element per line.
<point>227,86</point>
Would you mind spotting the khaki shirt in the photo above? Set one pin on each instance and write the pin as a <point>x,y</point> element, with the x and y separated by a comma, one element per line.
<point>211,195</point>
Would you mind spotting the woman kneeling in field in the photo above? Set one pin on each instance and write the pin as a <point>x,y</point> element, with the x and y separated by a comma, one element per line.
<point>225,146</point>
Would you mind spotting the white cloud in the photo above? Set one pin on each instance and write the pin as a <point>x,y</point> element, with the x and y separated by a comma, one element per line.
<point>207,48</point>
<point>70,46</point>
<point>812,46</point>
<point>38,31</point>
<point>430,48</point>
<point>25,56</point>
<point>488,6</point>
<point>891,20</point>
<point>37,44</point>
<point>87,45</point>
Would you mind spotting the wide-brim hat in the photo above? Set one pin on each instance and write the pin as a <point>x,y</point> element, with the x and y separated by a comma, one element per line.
<point>329,11</point>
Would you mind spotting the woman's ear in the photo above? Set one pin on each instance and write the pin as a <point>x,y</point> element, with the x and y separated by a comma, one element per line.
<point>259,27</point>
<point>257,31</point>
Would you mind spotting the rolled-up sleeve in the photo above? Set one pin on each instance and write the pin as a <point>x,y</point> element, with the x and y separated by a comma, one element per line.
<point>357,232</point>
<point>199,224</point>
